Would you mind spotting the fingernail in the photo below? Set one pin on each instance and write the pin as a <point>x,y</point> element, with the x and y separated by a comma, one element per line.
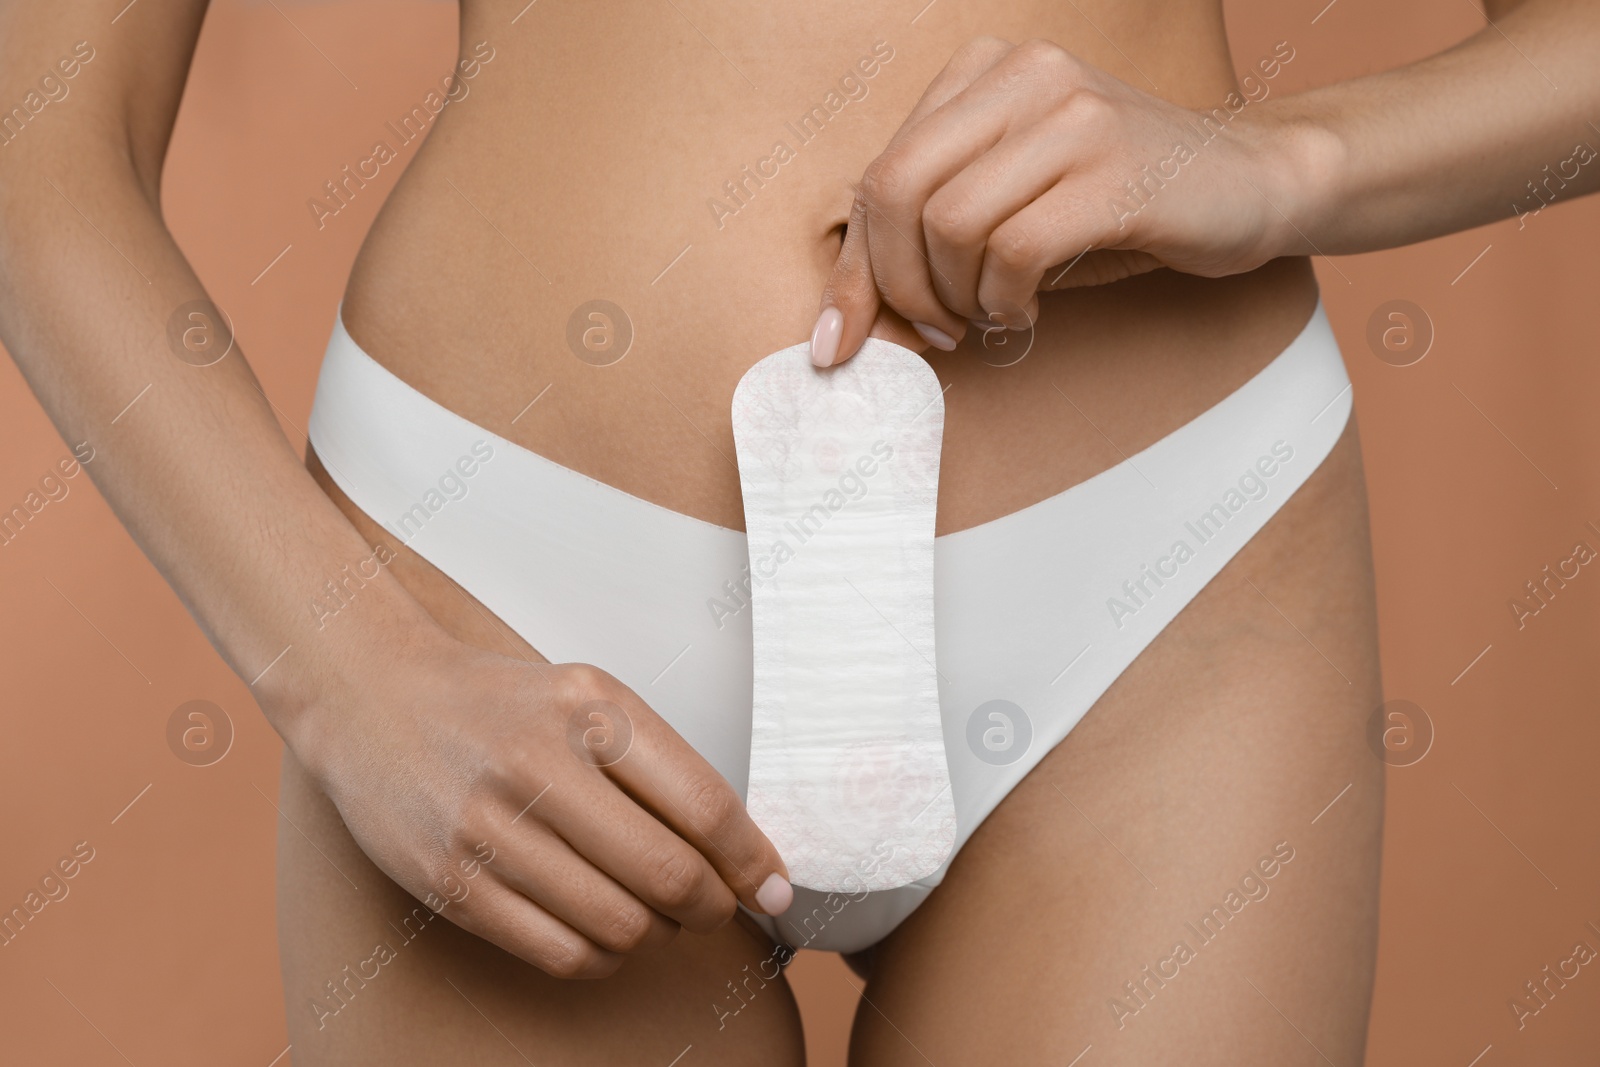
<point>776,894</point>
<point>825,344</point>
<point>985,325</point>
<point>935,336</point>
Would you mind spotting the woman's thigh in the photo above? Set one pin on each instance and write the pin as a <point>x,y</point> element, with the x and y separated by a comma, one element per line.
<point>1192,875</point>
<point>371,976</point>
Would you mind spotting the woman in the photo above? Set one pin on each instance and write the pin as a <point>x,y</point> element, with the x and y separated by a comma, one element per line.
<point>937,167</point>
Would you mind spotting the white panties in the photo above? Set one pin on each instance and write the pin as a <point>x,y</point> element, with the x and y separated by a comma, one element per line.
<point>1036,613</point>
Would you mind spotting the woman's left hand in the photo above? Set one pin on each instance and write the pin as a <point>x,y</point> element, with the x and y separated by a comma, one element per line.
<point>1024,169</point>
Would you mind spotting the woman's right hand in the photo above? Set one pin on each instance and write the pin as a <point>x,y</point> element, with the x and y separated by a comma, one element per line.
<point>544,807</point>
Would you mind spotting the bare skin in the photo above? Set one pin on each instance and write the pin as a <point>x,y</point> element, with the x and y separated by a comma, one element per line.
<point>581,166</point>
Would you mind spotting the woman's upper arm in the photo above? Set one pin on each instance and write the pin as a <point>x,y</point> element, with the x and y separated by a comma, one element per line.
<point>79,76</point>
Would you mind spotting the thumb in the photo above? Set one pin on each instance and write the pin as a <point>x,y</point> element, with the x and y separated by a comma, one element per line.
<point>850,301</point>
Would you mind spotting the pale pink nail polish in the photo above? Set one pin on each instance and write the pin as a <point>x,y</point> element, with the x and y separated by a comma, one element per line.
<point>935,336</point>
<point>775,894</point>
<point>825,344</point>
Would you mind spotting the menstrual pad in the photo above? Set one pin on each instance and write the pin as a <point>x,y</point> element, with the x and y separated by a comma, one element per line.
<point>840,473</point>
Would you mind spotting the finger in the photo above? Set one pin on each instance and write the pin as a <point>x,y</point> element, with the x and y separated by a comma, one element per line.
<point>969,62</point>
<point>965,211</point>
<point>898,184</point>
<point>1025,91</point>
<point>852,288</point>
<point>850,297</point>
<point>510,920</point>
<point>613,832</point>
<point>890,325</point>
<point>548,871</point>
<point>675,782</point>
<point>1056,228</point>
<point>853,292</point>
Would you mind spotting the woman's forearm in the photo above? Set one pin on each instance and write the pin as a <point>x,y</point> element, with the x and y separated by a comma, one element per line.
<point>191,458</point>
<point>1494,128</point>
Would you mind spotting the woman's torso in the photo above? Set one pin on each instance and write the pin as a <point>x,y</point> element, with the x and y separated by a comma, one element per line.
<point>630,154</point>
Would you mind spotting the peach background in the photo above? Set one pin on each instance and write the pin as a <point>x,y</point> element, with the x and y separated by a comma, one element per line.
<point>164,950</point>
